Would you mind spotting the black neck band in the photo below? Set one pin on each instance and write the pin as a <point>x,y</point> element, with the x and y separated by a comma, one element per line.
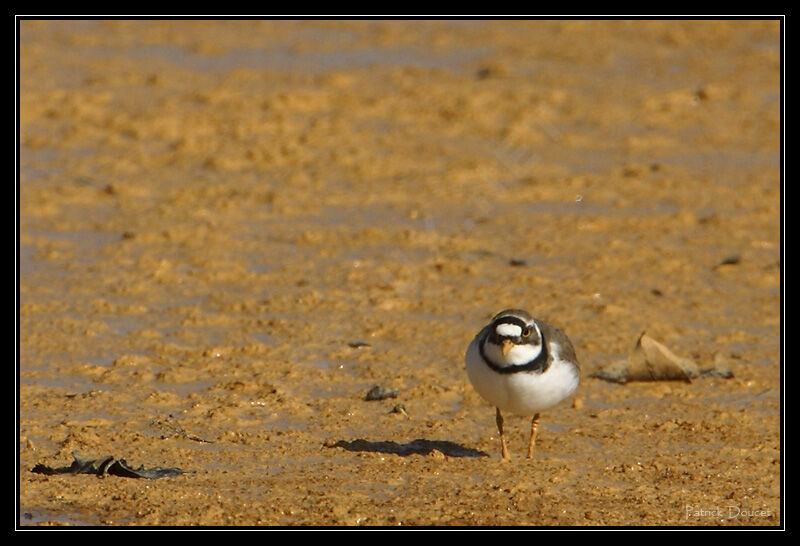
<point>537,364</point>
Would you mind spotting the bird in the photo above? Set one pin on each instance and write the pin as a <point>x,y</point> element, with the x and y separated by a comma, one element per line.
<point>521,365</point>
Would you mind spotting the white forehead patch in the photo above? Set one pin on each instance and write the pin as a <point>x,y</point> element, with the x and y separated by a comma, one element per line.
<point>510,330</point>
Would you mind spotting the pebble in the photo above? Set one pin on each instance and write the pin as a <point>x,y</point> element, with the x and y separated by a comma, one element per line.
<point>380,393</point>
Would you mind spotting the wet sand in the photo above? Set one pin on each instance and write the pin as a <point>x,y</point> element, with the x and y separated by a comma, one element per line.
<point>231,231</point>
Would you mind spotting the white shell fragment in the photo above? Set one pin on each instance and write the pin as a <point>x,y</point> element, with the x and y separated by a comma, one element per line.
<point>652,361</point>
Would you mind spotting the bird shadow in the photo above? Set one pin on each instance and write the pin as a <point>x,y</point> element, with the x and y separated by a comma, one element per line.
<point>419,446</point>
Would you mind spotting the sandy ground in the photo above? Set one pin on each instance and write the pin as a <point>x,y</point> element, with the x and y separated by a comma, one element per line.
<point>212,215</point>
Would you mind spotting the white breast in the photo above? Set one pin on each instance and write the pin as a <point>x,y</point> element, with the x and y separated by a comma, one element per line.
<point>523,393</point>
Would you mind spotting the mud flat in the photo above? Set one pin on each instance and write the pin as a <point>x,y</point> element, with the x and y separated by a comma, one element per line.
<point>230,232</point>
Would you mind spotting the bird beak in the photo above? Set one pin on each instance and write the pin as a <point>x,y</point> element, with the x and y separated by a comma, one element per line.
<point>507,346</point>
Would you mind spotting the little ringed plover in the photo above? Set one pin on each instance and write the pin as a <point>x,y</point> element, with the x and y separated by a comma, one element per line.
<point>522,365</point>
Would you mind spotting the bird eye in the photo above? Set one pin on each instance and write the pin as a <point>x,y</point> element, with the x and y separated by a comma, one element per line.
<point>526,331</point>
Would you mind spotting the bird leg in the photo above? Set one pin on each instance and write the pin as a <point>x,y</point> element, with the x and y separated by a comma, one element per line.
<point>499,421</point>
<point>534,429</point>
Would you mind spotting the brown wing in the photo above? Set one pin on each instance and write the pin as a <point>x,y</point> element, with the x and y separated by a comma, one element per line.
<point>555,334</point>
